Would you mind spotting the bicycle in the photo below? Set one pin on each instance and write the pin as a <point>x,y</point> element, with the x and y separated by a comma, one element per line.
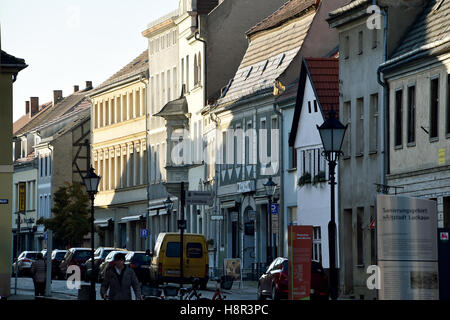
<point>224,282</point>
<point>192,292</point>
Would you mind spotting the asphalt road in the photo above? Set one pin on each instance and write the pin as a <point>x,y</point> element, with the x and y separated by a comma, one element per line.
<point>60,290</point>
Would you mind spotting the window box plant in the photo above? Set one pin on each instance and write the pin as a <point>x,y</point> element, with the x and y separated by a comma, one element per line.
<point>304,179</point>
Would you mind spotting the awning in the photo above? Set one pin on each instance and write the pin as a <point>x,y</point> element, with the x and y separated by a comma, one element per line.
<point>132,218</point>
<point>259,200</point>
<point>102,223</point>
<point>228,204</point>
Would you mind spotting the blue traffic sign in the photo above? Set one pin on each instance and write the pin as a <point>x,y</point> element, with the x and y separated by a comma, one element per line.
<point>144,233</point>
<point>3,201</point>
<point>275,208</point>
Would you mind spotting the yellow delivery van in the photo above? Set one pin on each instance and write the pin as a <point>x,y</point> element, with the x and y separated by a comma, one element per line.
<point>165,266</point>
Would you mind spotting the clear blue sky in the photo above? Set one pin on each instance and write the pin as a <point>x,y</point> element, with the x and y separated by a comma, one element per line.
<point>66,42</point>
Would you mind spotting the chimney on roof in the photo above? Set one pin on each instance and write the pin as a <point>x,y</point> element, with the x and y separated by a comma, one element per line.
<point>34,106</point>
<point>76,88</point>
<point>88,85</point>
<point>57,96</point>
<point>27,107</point>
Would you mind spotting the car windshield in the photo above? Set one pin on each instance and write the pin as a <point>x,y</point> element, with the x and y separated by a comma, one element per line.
<point>141,258</point>
<point>59,255</point>
<point>105,253</point>
<point>31,255</point>
<point>82,254</point>
<point>173,249</point>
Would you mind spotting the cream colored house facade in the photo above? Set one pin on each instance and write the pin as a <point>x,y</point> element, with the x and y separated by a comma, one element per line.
<point>119,155</point>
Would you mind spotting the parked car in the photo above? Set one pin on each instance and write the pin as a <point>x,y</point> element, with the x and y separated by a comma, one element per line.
<point>274,282</point>
<point>75,256</point>
<point>165,266</point>
<point>57,257</point>
<point>24,261</point>
<point>99,257</point>
<point>140,263</point>
<point>109,260</point>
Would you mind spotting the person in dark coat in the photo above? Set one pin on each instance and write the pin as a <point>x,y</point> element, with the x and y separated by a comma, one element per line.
<point>118,280</point>
<point>39,275</point>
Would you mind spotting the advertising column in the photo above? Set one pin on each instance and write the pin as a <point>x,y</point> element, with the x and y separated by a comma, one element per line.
<point>300,254</point>
<point>407,248</point>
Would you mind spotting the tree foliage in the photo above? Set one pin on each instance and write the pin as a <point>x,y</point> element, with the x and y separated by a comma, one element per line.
<point>70,221</point>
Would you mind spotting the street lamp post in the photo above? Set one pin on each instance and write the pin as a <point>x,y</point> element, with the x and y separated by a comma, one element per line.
<point>332,133</point>
<point>91,181</point>
<point>169,205</point>
<point>270,187</point>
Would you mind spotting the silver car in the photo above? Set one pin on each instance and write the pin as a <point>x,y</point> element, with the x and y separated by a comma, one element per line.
<point>23,262</point>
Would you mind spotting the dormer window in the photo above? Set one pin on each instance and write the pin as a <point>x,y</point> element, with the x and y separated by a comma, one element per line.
<point>248,73</point>
<point>281,59</point>
<point>265,66</point>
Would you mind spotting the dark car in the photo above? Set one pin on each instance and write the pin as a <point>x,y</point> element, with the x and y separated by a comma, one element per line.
<point>99,257</point>
<point>109,261</point>
<point>57,257</point>
<point>140,263</point>
<point>274,282</point>
<point>75,256</point>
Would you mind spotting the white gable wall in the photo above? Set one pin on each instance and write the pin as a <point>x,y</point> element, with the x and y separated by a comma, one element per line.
<point>313,202</point>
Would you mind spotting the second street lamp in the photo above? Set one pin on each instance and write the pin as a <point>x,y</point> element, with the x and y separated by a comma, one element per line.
<point>332,133</point>
<point>91,181</point>
<point>270,188</point>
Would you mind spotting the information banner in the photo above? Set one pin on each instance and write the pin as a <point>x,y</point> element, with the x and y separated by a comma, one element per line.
<point>407,248</point>
<point>22,196</point>
<point>300,254</point>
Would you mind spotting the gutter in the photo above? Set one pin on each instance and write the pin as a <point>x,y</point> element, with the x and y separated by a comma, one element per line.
<point>143,76</point>
<point>281,228</point>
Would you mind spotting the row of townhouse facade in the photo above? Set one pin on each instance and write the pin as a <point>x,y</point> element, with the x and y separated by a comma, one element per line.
<point>48,151</point>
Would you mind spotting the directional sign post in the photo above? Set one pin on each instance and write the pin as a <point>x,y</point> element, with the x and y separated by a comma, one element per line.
<point>199,198</point>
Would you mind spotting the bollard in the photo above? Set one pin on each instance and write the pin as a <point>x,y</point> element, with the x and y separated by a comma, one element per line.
<point>83,292</point>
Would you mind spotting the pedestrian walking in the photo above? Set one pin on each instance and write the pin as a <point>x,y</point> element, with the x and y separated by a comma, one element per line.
<point>118,281</point>
<point>39,275</point>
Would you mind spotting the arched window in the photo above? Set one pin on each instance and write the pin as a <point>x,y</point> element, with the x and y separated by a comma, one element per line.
<point>195,70</point>
<point>199,77</point>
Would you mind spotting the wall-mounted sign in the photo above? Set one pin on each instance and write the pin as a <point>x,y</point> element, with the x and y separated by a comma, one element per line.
<point>199,198</point>
<point>275,208</point>
<point>22,196</point>
<point>407,248</point>
<point>246,186</point>
<point>3,201</point>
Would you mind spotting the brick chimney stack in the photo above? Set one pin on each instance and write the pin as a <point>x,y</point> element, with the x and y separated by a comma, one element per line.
<point>34,106</point>
<point>57,96</point>
<point>88,85</point>
<point>27,107</point>
<point>76,88</point>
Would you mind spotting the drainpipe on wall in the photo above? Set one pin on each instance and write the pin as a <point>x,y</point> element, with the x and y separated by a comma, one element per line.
<point>281,231</point>
<point>149,239</point>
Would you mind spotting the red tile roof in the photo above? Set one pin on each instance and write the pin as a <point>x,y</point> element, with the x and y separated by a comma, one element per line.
<point>324,73</point>
<point>25,119</point>
<point>290,10</point>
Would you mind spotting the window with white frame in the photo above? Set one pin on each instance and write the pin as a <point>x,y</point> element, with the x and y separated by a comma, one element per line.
<point>317,244</point>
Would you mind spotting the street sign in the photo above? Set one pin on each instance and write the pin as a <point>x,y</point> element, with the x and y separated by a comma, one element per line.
<point>45,236</point>
<point>144,233</point>
<point>3,201</point>
<point>199,198</point>
<point>181,224</point>
<point>216,217</point>
<point>275,208</point>
<point>444,236</point>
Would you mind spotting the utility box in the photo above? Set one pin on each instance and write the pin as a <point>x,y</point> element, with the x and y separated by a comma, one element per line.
<point>444,263</point>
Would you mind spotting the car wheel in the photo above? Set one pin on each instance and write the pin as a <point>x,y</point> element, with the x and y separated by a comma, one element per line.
<point>275,295</point>
<point>259,294</point>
